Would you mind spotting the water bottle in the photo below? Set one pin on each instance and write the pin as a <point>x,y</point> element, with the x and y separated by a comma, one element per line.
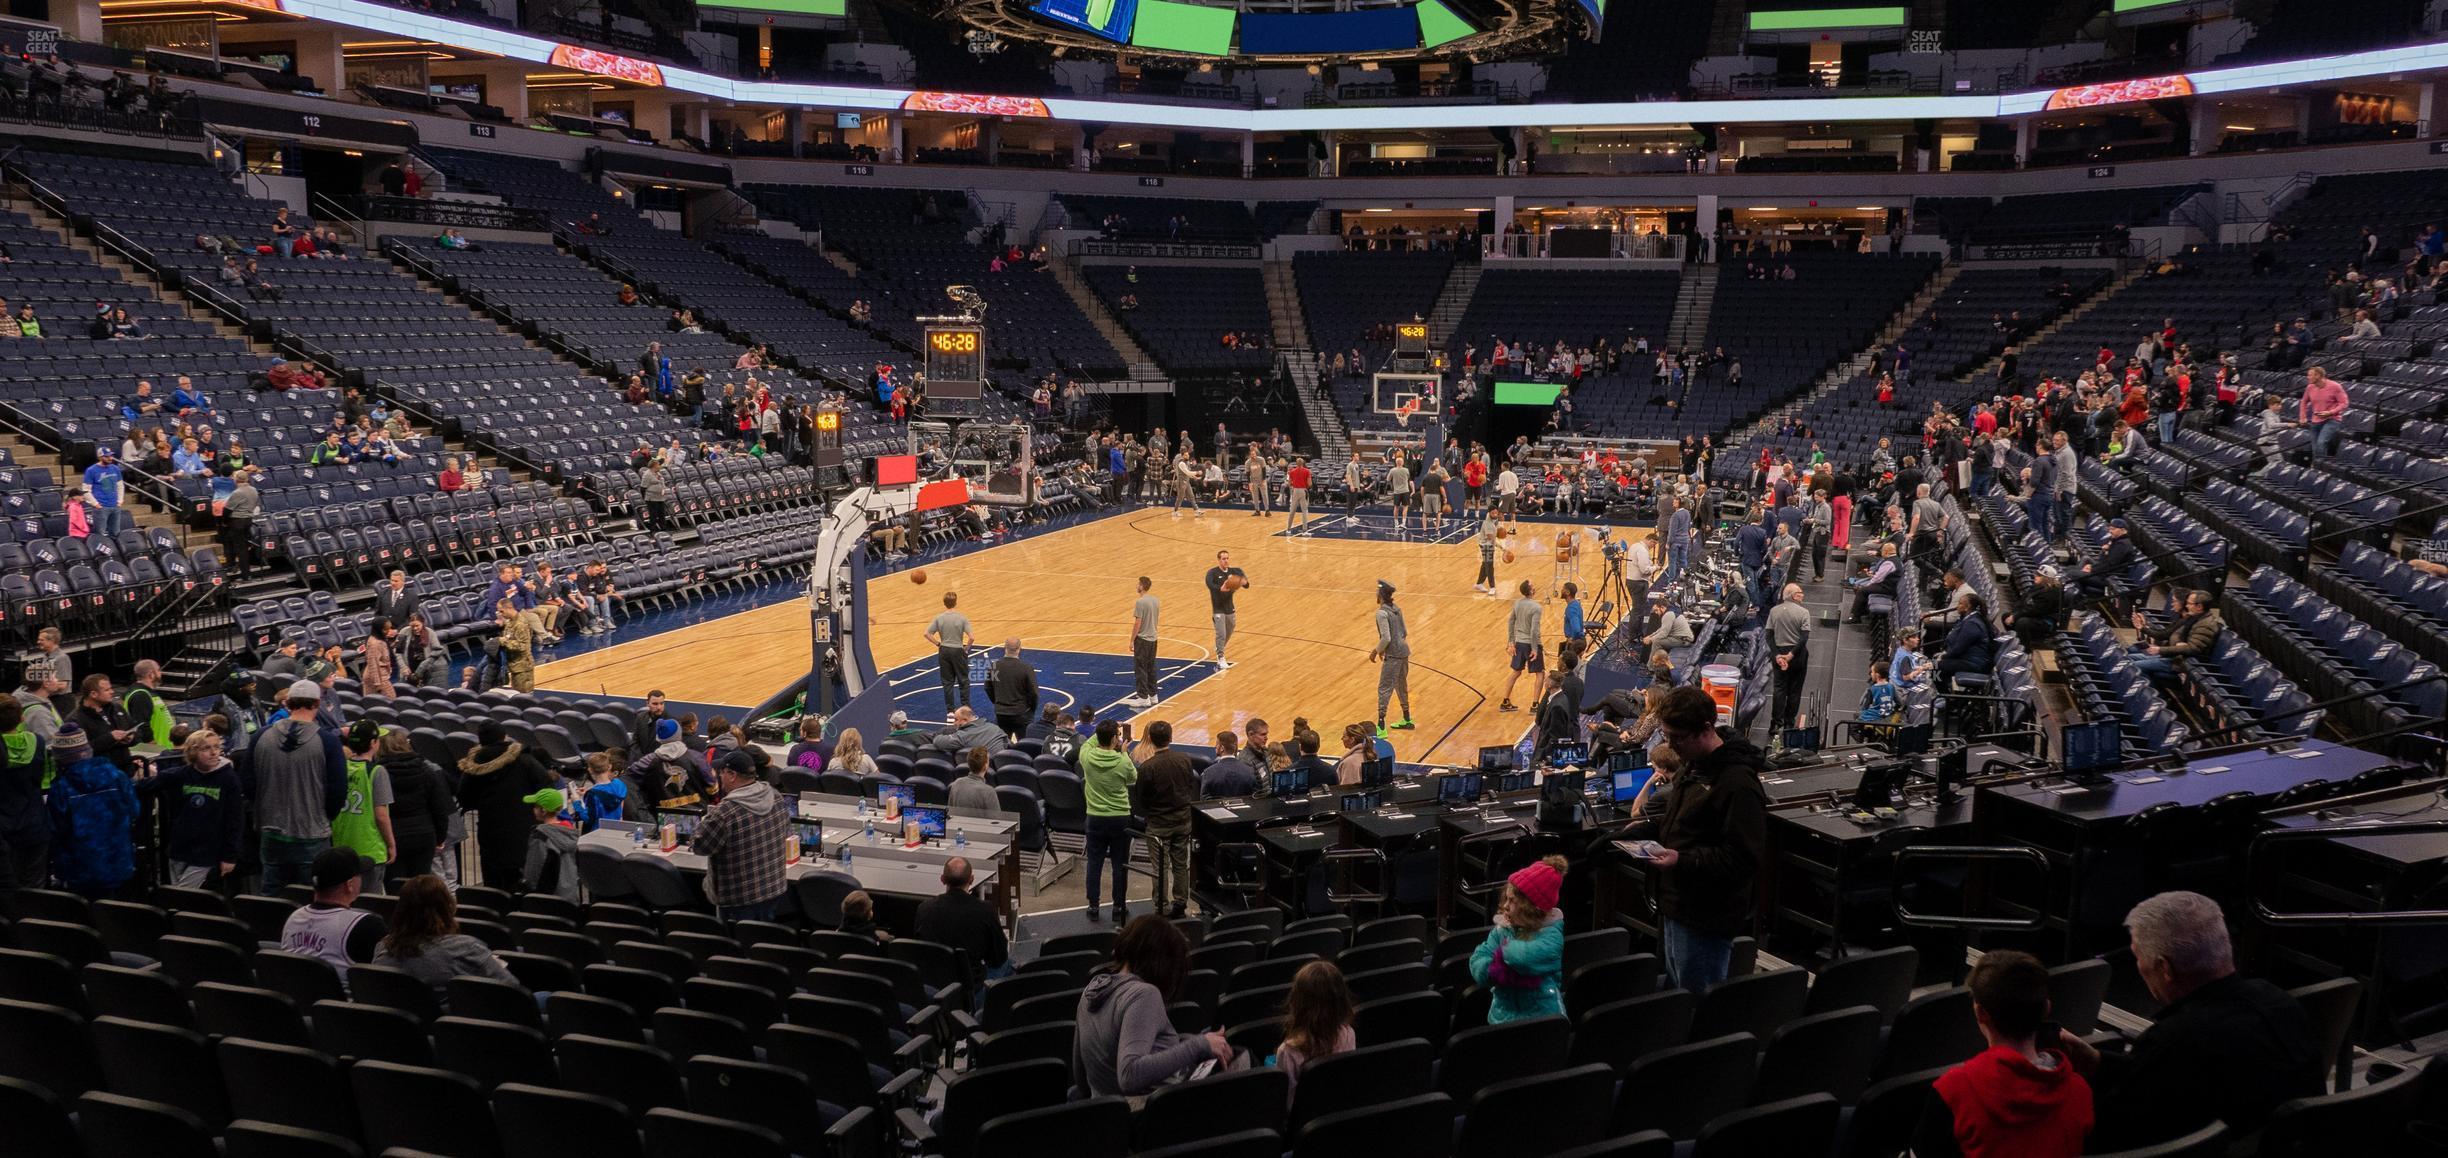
<point>960,836</point>
<point>845,858</point>
<point>871,828</point>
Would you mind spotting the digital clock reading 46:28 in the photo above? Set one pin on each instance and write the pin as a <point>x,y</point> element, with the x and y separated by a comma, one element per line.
<point>954,342</point>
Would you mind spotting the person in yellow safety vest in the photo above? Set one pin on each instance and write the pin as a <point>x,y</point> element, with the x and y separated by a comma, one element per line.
<point>364,821</point>
<point>145,704</point>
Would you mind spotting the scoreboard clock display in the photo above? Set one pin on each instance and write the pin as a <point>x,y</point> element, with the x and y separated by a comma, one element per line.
<point>955,354</point>
<point>1411,338</point>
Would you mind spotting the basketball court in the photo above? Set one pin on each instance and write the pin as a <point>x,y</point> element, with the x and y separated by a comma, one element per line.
<point>1301,647</point>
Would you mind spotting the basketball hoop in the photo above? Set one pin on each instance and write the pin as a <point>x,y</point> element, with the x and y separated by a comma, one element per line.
<point>1403,413</point>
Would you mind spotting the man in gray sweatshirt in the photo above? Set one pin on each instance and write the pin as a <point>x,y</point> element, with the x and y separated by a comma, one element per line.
<point>966,732</point>
<point>301,781</point>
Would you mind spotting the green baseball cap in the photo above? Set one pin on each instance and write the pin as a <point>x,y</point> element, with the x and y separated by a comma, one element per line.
<point>548,799</point>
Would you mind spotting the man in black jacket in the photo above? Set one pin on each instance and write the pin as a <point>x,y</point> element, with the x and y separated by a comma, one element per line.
<point>956,918</point>
<point>2116,562</point>
<point>1011,686</point>
<point>642,725</point>
<point>2224,1048</point>
<point>1714,833</point>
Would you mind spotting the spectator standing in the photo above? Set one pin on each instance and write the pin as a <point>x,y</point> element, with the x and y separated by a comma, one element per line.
<point>495,779</point>
<point>364,820</point>
<point>423,806</point>
<point>377,659</point>
<point>1126,1042</point>
<point>1229,774</point>
<point>1714,833</point>
<point>2321,409</point>
<point>300,775</point>
<point>93,813</point>
<point>2019,1097</point>
<point>25,825</point>
<point>1167,788</point>
<point>103,486</point>
<point>237,512</point>
<point>1107,774</point>
<point>393,600</point>
<point>203,808</point>
<point>552,846</point>
<point>1011,686</point>
<point>1521,961</point>
<point>1789,637</point>
<point>2223,1048</point>
<point>146,708</point>
<point>742,841</point>
<point>956,919</point>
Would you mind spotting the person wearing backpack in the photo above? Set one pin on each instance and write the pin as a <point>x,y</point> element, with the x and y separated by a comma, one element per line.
<point>93,809</point>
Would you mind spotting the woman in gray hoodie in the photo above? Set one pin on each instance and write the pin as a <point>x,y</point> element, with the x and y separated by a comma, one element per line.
<point>1126,1043</point>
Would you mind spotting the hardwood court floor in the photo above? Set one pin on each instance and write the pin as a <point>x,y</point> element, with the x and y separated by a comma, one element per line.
<point>1300,648</point>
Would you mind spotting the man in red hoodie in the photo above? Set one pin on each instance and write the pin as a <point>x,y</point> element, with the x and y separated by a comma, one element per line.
<point>2014,1099</point>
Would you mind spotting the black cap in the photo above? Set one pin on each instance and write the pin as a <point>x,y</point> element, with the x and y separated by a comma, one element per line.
<point>740,764</point>
<point>334,867</point>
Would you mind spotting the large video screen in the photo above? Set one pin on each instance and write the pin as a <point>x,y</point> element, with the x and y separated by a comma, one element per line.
<point>790,7</point>
<point>1527,393</point>
<point>1183,28</point>
<point>1110,19</point>
<point>1365,30</point>
<point>1438,25</point>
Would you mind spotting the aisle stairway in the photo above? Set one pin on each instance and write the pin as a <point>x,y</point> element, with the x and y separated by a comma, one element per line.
<point>1899,325</point>
<point>1452,302</point>
<point>1693,304</point>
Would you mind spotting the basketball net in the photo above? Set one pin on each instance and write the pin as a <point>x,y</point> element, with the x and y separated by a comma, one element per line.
<point>1403,413</point>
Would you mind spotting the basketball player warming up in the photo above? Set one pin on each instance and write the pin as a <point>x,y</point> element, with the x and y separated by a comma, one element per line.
<point>1223,580</point>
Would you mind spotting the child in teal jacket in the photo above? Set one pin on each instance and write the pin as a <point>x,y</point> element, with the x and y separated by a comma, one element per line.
<point>1522,960</point>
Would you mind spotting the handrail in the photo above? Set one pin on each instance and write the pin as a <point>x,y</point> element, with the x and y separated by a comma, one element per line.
<point>1968,852</point>
<point>2261,842</point>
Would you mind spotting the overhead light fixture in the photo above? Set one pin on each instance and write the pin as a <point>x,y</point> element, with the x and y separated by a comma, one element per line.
<point>1763,209</point>
<point>1376,211</point>
<point>1871,208</point>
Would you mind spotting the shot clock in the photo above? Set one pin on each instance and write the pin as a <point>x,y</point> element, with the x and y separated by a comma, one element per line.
<point>955,363</point>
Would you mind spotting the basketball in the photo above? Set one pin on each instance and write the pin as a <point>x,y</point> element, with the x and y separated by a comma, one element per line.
<point>1508,555</point>
<point>1235,583</point>
<point>918,576</point>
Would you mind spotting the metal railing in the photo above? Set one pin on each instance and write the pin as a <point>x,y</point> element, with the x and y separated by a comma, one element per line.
<point>1619,246</point>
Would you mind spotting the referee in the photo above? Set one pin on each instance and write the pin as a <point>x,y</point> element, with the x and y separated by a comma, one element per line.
<point>1393,657</point>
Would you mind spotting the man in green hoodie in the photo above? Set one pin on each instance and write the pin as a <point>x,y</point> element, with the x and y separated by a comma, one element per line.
<point>1107,773</point>
<point>25,825</point>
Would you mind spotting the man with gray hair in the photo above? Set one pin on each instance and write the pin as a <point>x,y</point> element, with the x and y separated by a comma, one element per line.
<point>1789,637</point>
<point>2224,1048</point>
